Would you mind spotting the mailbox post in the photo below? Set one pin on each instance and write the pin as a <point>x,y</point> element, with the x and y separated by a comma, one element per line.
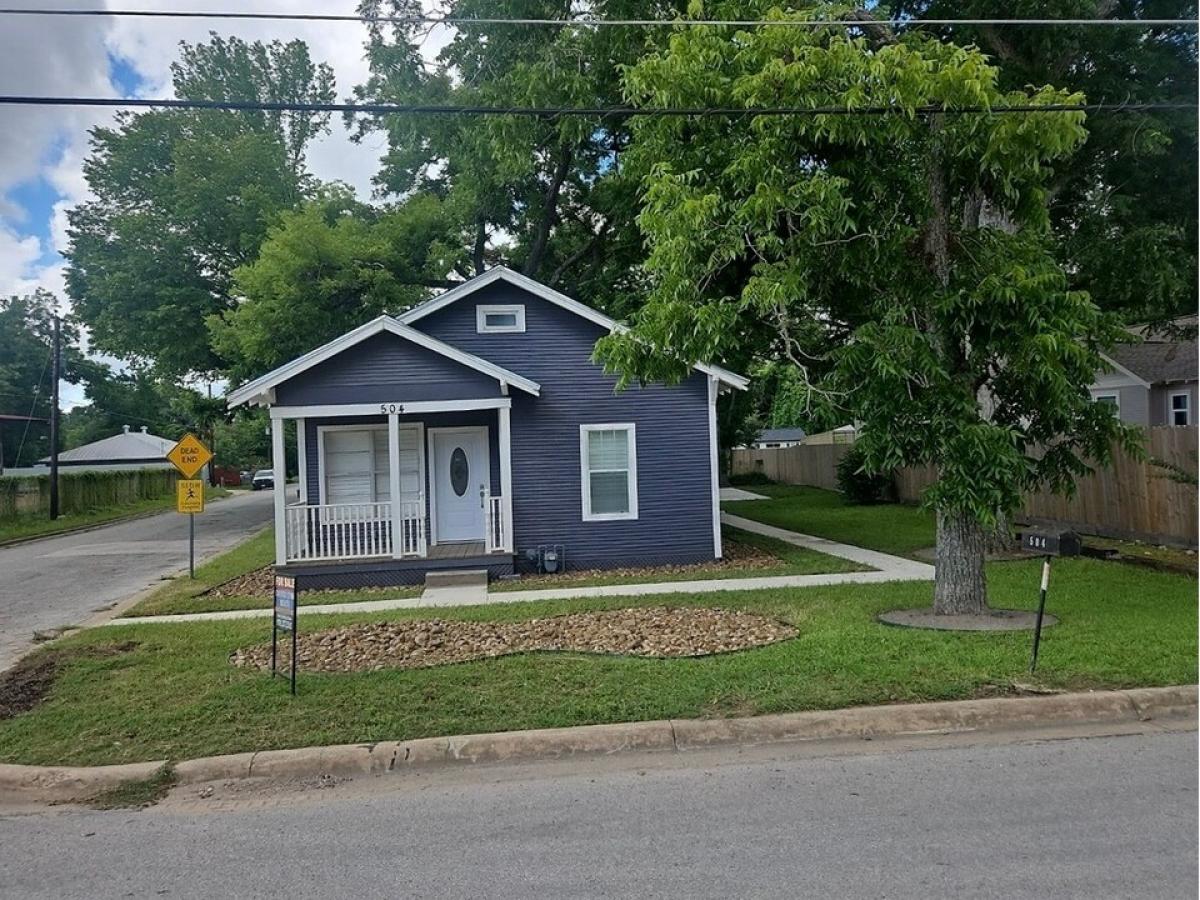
<point>1049,544</point>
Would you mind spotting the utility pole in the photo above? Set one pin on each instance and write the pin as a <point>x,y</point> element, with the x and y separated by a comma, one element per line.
<point>55,369</point>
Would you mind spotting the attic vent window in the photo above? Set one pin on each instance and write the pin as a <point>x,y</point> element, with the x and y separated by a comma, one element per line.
<point>500,319</point>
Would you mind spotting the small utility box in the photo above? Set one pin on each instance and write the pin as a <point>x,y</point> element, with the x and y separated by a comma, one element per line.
<point>1052,543</point>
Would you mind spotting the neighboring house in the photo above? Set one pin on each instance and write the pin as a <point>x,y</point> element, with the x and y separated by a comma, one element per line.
<point>476,431</point>
<point>127,450</point>
<point>771,438</point>
<point>1153,381</point>
<point>846,434</point>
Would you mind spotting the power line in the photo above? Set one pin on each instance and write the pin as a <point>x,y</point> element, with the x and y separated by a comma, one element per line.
<point>585,111</point>
<point>461,21</point>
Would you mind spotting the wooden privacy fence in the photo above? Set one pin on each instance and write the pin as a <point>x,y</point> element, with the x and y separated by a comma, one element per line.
<point>811,464</point>
<point>82,491</point>
<point>1129,499</point>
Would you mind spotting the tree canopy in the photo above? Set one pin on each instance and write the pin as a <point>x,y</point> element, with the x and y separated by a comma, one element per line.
<point>1123,207</point>
<point>184,197</point>
<point>923,238</point>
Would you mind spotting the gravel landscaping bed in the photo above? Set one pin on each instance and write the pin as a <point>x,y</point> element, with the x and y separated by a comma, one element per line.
<point>261,583</point>
<point>414,644</point>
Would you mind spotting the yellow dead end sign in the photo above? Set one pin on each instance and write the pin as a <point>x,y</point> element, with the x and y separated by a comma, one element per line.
<point>189,455</point>
<point>189,496</point>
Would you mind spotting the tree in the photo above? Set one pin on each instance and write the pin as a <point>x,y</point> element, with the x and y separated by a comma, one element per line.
<point>184,197</point>
<point>924,237</point>
<point>545,195</point>
<point>326,268</point>
<point>26,336</point>
<point>1124,206</point>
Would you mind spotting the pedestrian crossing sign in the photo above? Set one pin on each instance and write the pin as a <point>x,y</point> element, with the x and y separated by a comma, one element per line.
<point>189,496</point>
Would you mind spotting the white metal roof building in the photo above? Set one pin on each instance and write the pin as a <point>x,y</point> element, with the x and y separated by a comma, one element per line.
<point>129,449</point>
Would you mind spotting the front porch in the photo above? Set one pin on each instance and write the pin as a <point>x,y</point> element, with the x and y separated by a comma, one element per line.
<point>419,486</point>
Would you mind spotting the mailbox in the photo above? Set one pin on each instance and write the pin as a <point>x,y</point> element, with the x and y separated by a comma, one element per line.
<point>1052,543</point>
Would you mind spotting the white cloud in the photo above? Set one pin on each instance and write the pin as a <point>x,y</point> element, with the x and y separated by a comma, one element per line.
<point>71,56</point>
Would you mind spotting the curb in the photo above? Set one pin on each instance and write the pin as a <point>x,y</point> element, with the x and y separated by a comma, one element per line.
<point>56,784</point>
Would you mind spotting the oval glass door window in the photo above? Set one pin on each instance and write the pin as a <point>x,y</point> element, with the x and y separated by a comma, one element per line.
<point>460,472</point>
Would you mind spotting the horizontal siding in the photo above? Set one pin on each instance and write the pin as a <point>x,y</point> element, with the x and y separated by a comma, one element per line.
<point>674,489</point>
<point>385,369</point>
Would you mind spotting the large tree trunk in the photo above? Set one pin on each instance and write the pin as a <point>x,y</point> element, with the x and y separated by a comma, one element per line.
<point>959,586</point>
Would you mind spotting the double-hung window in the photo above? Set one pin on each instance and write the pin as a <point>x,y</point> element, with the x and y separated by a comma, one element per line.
<point>1113,400</point>
<point>608,463</point>
<point>1181,413</point>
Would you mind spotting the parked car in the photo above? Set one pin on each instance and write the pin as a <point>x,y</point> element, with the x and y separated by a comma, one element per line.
<point>264,480</point>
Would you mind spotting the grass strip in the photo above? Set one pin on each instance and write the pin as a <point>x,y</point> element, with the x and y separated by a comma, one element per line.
<point>174,694</point>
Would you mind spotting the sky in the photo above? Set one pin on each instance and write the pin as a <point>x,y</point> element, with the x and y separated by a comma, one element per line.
<point>42,149</point>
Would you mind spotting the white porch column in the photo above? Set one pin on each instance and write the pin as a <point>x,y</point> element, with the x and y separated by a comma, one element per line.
<point>279,466</point>
<point>394,482</point>
<point>506,497</point>
<point>714,462</point>
<point>302,459</point>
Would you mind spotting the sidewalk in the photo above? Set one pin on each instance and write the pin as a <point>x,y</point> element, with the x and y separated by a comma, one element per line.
<point>888,568</point>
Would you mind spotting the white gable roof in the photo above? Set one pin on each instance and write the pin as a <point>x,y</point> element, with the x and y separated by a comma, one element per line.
<point>259,390</point>
<point>129,446</point>
<point>500,273</point>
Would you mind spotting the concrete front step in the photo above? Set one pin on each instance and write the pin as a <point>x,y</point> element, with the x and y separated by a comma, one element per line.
<point>456,578</point>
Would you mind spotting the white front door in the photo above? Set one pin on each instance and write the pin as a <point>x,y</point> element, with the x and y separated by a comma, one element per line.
<point>458,475</point>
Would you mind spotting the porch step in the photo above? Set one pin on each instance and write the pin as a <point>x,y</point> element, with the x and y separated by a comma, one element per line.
<point>456,578</point>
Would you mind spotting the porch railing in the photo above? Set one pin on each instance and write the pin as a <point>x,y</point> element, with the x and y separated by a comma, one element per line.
<point>493,523</point>
<point>341,531</point>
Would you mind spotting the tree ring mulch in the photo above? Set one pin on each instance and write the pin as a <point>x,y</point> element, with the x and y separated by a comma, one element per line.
<point>993,620</point>
<point>420,643</point>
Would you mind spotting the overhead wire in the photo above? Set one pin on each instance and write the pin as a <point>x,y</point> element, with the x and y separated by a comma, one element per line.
<point>585,22</point>
<point>585,111</point>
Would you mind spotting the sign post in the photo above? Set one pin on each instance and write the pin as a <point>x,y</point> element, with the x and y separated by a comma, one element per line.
<point>283,618</point>
<point>1063,543</point>
<point>189,456</point>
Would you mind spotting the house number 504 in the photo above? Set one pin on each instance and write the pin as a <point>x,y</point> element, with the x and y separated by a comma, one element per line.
<point>391,408</point>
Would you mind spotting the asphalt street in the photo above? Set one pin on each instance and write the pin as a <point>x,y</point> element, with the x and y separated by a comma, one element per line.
<point>59,581</point>
<point>1087,818</point>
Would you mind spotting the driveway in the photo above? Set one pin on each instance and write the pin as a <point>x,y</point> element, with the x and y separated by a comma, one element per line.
<point>65,580</point>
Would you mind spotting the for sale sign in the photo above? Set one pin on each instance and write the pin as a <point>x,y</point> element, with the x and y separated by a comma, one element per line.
<point>285,602</point>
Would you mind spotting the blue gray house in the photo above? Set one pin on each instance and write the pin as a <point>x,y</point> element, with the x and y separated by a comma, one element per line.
<point>475,431</point>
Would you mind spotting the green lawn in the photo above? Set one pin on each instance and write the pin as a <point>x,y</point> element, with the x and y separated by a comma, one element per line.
<point>792,560</point>
<point>888,527</point>
<point>38,526</point>
<point>186,595</point>
<point>176,696</point>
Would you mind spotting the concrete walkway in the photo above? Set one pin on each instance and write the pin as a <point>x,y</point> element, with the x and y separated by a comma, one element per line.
<point>732,493</point>
<point>886,566</point>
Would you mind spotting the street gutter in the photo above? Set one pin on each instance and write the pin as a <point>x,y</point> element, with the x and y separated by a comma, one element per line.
<point>58,784</point>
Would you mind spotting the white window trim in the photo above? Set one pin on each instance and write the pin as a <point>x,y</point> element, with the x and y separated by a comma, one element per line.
<point>1187,406</point>
<point>322,471</point>
<point>585,473</point>
<point>1114,396</point>
<point>483,311</point>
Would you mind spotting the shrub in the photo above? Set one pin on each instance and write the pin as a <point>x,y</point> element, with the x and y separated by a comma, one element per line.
<point>744,479</point>
<point>860,486</point>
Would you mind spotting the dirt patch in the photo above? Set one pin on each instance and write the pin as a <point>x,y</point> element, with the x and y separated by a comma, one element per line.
<point>651,631</point>
<point>27,683</point>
